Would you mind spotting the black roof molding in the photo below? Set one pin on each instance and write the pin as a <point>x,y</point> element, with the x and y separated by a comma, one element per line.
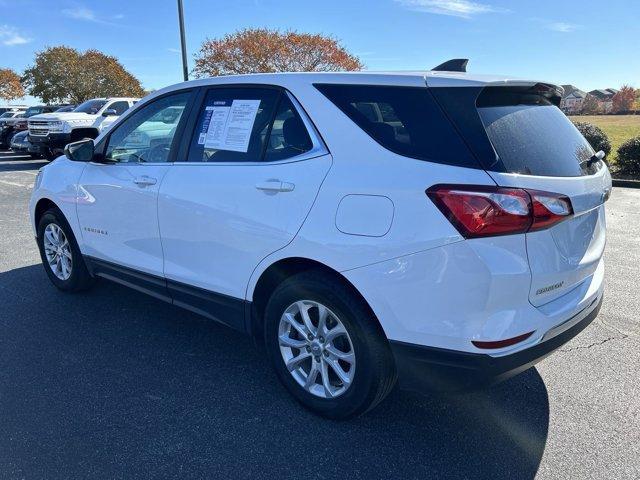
<point>453,65</point>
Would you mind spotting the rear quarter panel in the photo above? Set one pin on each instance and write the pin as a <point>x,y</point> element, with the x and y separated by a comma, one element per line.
<point>363,167</point>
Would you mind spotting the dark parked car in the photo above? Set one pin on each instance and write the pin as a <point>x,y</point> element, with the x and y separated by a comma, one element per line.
<point>17,124</point>
<point>20,144</point>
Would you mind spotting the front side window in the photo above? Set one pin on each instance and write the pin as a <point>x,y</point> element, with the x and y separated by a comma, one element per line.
<point>147,135</point>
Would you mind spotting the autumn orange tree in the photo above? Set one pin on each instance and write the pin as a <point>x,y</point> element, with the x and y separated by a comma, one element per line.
<point>10,86</point>
<point>258,50</point>
<point>624,99</point>
<point>63,74</point>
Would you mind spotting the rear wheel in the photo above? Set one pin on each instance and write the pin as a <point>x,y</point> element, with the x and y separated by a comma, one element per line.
<point>60,254</point>
<point>327,347</point>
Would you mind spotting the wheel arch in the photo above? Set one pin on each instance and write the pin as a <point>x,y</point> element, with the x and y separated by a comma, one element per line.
<point>279,271</point>
<point>42,206</point>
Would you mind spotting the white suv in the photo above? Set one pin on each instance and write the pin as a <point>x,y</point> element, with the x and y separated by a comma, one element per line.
<point>443,229</point>
<point>50,132</point>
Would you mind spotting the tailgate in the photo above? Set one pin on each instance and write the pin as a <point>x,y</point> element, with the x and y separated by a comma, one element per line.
<point>566,254</point>
<point>523,140</point>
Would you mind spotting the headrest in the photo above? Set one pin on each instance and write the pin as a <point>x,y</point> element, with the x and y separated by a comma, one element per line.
<point>295,134</point>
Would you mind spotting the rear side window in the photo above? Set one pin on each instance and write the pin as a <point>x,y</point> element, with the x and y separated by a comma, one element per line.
<point>405,120</point>
<point>531,135</point>
<point>289,136</point>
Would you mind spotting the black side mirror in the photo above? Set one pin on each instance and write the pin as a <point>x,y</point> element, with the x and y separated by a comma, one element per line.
<point>81,151</point>
<point>109,112</point>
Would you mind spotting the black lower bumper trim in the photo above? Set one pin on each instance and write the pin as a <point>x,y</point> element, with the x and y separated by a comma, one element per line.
<point>424,368</point>
<point>51,141</point>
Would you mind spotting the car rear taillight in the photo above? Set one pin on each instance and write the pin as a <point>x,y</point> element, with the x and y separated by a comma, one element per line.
<point>548,209</point>
<point>484,211</point>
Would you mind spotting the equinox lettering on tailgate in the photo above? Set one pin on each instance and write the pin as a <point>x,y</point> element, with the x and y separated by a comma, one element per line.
<point>555,286</point>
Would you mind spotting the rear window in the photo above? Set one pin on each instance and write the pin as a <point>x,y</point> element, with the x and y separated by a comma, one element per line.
<point>531,135</point>
<point>406,120</point>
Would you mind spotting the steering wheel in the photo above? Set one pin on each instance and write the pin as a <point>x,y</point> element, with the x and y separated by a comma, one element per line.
<point>158,153</point>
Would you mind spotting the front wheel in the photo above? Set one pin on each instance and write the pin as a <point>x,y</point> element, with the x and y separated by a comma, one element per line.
<point>60,253</point>
<point>327,347</point>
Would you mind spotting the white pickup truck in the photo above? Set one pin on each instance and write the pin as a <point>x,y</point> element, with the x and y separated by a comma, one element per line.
<point>50,132</point>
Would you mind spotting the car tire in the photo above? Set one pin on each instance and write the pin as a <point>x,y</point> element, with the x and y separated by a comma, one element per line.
<point>50,155</point>
<point>365,344</point>
<point>66,268</point>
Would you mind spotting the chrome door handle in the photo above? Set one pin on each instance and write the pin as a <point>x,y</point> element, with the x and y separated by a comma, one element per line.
<point>144,181</point>
<point>275,186</point>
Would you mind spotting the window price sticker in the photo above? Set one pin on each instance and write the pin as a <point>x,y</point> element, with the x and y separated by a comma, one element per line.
<point>228,125</point>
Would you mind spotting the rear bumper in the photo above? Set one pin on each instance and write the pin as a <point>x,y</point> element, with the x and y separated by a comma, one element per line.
<point>422,368</point>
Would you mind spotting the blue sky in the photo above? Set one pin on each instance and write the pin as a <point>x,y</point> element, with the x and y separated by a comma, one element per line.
<point>591,44</point>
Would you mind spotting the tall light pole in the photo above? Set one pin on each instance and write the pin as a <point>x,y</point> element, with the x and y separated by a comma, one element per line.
<point>183,43</point>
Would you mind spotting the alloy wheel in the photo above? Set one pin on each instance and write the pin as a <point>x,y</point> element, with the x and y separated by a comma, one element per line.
<point>316,349</point>
<point>58,251</point>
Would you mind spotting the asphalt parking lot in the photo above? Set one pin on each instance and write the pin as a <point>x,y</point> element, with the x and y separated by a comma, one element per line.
<point>114,384</point>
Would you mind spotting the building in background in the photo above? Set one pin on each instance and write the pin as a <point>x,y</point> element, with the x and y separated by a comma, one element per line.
<point>572,99</point>
<point>604,98</point>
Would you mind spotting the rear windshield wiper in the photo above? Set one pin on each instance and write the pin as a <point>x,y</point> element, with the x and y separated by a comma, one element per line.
<point>596,157</point>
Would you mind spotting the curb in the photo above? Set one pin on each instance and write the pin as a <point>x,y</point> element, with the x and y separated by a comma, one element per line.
<point>625,183</point>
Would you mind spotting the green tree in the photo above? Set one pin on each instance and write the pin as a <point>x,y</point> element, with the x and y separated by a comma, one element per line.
<point>61,74</point>
<point>10,86</point>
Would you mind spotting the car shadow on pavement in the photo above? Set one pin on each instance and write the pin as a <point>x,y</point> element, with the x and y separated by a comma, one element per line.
<point>20,165</point>
<point>112,383</point>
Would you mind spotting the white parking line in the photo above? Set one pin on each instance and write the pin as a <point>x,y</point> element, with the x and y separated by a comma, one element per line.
<point>2,157</point>
<point>16,184</point>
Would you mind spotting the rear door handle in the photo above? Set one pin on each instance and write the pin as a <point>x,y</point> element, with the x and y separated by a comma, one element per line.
<point>275,186</point>
<point>144,181</point>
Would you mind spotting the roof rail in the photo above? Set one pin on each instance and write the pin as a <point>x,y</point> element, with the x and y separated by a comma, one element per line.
<point>454,65</point>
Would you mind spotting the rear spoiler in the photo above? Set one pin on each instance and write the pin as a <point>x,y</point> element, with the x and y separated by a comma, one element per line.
<point>551,92</point>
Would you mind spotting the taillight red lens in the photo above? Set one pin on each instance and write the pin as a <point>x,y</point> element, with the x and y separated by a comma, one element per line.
<point>548,209</point>
<point>483,211</point>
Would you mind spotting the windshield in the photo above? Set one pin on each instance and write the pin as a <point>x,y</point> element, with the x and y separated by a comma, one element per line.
<point>7,115</point>
<point>90,106</point>
<point>68,108</point>
<point>31,111</point>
